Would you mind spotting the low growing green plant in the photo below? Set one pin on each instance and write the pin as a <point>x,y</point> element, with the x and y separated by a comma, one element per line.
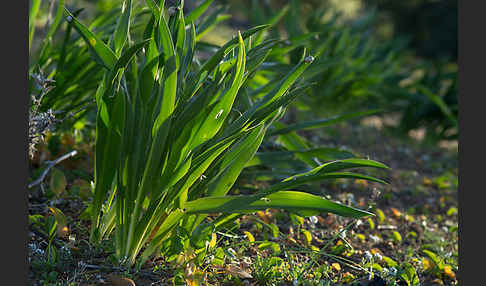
<point>169,143</point>
<point>64,59</point>
<point>352,66</point>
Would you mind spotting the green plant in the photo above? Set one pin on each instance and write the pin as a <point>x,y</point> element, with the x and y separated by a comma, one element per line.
<point>169,145</point>
<point>352,67</point>
<point>48,262</point>
<point>64,59</point>
<point>268,270</point>
<point>430,100</point>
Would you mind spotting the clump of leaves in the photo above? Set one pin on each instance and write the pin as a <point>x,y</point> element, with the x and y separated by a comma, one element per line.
<point>169,146</point>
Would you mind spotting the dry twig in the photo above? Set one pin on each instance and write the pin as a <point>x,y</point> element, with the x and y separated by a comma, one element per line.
<point>50,165</point>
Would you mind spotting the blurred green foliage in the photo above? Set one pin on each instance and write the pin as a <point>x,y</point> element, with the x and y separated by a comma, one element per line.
<point>431,25</point>
<point>364,49</point>
<point>365,59</point>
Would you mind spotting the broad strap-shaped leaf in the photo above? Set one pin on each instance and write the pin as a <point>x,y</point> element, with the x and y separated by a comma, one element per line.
<point>196,80</point>
<point>199,166</point>
<point>209,121</point>
<point>224,104</point>
<point>288,200</point>
<point>235,160</point>
<point>257,55</point>
<point>154,211</point>
<point>149,70</point>
<point>292,141</point>
<point>101,52</point>
<point>160,131</point>
<point>177,27</point>
<point>233,163</point>
<point>283,101</point>
<point>122,29</point>
<point>340,165</point>
<point>108,148</point>
<point>293,43</point>
<point>154,7</point>
<point>348,175</point>
<point>325,171</point>
<point>169,82</point>
<point>188,53</point>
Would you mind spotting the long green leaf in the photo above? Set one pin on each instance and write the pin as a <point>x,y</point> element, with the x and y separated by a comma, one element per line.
<point>210,22</point>
<point>234,162</point>
<point>321,122</point>
<point>339,165</point>
<point>34,9</point>
<point>122,30</point>
<point>101,52</point>
<point>439,102</point>
<point>322,172</point>
<point>57,20</point>
<point>292,141</point>
<point>169,223</point>
<point>196,13</point>
<point>46,43</point>
<point>288,200</point>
